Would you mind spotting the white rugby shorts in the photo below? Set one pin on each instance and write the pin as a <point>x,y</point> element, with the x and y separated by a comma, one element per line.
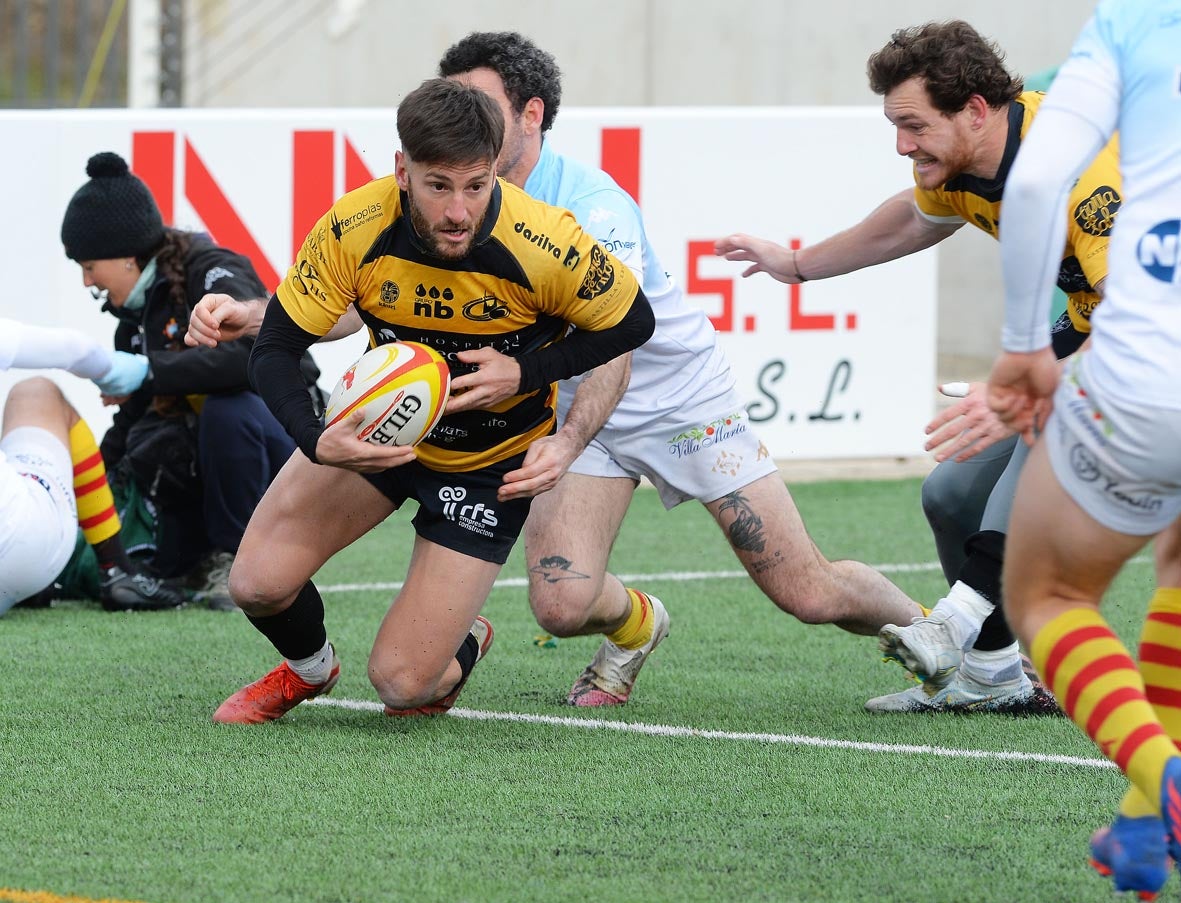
<point>40,513</point>
<point>703,453</point>
<point>1116,458</point>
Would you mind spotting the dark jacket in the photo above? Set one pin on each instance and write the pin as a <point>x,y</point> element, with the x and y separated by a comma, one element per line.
<point>158,330</point>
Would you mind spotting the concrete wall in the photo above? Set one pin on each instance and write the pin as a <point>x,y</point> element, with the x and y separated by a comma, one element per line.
<point>629,52</point>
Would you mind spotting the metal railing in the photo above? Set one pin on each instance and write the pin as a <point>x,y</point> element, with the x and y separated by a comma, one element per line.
<point>90,53</point>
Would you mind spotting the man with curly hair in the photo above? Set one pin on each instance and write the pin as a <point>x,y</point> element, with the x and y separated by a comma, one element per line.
<point>961,117</point>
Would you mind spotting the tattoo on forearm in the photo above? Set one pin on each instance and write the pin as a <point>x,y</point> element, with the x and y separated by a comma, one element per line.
<point>553,568</point>
<point>746,530</point>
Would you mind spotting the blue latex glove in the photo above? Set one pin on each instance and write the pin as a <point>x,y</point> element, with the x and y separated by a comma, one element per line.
<point>127,373</point>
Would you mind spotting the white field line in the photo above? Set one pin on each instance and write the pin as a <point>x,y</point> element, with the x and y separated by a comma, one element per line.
<point>667,576</point>
<point>693,733</point>
<point>661,730</point>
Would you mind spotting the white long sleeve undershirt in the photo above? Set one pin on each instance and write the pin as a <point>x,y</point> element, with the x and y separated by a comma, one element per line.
<point>38,347</point>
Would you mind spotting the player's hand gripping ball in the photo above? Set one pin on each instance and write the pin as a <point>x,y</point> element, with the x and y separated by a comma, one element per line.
<point>402,388</point>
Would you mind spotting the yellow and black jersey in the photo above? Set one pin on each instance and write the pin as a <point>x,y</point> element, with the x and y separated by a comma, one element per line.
<point>532,273</point>
<point>1094,202</point>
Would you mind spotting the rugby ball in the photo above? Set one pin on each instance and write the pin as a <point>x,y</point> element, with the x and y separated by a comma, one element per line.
<point>402,388</point>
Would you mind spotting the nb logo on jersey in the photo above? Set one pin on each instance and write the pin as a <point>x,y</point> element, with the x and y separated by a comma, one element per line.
<point>428,302</point>
<point>1159,250</point>
<point>486,308</point>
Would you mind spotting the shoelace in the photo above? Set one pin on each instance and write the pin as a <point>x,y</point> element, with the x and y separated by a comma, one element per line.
<point>149,586</point>
<point>289,684</point>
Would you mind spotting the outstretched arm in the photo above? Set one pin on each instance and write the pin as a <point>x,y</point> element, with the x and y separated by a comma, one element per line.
<point>221,318</point>
<point>36,347</point>
<point>895,229</point>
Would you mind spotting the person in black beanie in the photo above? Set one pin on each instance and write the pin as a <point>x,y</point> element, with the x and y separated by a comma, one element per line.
<point>201,446</point>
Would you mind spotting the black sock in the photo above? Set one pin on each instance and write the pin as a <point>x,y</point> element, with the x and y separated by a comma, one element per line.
<point>982,572</point>
<point>297,632</point>
<point>110,553</point>
<point>468,652</point>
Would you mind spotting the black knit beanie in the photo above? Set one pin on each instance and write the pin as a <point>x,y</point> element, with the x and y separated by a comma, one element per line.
<point>112,215</point>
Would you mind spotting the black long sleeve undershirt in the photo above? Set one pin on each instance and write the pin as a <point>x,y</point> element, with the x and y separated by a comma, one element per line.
<point>583,350</point>
<point>275,375</point>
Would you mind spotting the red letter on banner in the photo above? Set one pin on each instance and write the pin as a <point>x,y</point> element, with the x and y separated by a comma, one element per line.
<point>219,215</point>
<point>151,160</point>
<point>797,319</point>
<point>696,285</point>
<point>620,153</point>
<point>312,183</point>
<point>356,173</point>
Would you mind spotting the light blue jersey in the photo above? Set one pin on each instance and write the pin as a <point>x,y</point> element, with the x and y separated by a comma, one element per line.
<point>1123,73</point>
<point>1133,50</point>
<point>681,365</point>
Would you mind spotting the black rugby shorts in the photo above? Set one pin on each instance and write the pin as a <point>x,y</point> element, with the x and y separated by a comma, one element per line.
<point>459,511</point>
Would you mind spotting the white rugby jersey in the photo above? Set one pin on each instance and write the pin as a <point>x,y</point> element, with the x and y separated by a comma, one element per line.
<point>1123,73</point>
<point>682,362</point>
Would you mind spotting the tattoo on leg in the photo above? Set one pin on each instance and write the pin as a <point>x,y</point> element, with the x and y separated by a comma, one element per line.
<point>764,564</point>
<point>746,530</point>
<point>553,568</point>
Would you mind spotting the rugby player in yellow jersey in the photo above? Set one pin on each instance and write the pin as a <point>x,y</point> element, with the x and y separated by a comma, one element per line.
<point>960,116</point>
<point>445,254</point>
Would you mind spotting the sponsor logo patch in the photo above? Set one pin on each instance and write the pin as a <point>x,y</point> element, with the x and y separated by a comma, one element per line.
<point>707,436</point>
<point>389,293</point>
<point>538,239</point>
<point>727,463</point>
<point>342,227</point>
<point>1096,215</point>
<point>477,518</point>
<point>486,308</point>
<point>599,278</point>
<point>428,302</point>
<point>1159,252</point>
<point>305,279</point>
<point>214,275</point>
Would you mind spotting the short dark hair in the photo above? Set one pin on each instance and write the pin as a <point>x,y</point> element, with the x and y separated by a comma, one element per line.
<point>953,60</point>
<point>526,70</point>
<point>445,122</point>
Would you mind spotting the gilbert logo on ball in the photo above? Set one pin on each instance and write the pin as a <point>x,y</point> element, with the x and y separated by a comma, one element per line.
<point>402,387</point>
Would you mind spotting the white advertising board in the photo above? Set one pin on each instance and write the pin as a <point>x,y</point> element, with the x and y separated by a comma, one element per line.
<point>839,368</point>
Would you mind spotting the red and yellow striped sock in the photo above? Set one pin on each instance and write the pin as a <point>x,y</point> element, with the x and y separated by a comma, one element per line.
<point>96,506</point>
<point>1160,666</point>
<point>1096,682</point>
<point>637,629</point>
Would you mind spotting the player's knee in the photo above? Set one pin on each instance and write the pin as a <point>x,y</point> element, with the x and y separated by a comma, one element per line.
<point>36,389</point>
<point>252,595</point>
<point>562,612</point>
<point>939,505</point>
<point>402,687</point>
